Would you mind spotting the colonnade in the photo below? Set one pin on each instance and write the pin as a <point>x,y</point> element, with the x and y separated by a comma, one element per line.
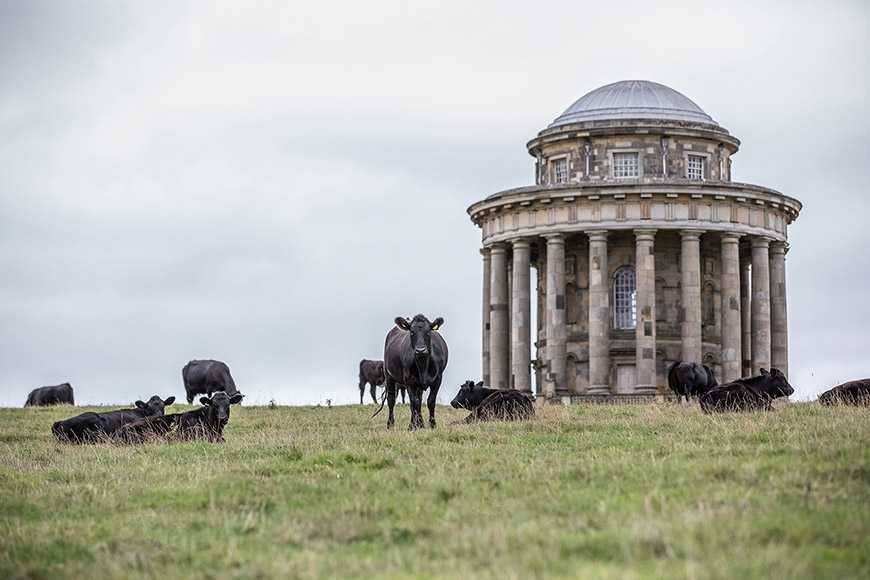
<point>754,329</point>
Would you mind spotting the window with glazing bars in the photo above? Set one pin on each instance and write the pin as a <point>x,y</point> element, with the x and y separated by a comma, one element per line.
<point>560,170</point>
<point>624,298</point>
<point>695,167</point>
<point>625,165</point>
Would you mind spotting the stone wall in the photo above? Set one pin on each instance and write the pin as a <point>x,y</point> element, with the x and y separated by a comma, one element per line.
<point>649,149</point>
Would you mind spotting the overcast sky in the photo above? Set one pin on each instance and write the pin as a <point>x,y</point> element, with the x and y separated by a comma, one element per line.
<point>271,184</point>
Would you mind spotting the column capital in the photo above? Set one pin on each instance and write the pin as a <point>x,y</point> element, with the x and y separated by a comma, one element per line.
<point>760,242</point>
<point>646,235</point>
<point>554,238</point>
<point>484,252</point>
<point>597,235</point>
<point>498,248</point>
<point>521,243</point>
<point>731,237</point>
<point>692,234</point>
<point>777,247</point>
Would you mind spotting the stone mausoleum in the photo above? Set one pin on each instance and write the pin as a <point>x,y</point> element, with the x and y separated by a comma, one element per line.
<point>644,252</point>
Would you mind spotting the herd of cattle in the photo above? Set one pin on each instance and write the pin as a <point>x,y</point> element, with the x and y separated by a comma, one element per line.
<point>147,420</point>
<point>415,356</point>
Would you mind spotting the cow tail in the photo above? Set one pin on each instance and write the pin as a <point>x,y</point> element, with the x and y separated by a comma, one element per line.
<point>381,408</point>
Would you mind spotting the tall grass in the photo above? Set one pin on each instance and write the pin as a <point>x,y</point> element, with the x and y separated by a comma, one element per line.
<point>583,491</point>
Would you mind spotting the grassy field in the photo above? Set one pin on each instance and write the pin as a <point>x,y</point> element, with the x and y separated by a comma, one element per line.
<point>591,492</point>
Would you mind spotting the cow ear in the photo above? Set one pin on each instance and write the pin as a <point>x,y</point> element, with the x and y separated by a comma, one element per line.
<point>437,324</point>
<point>168,401</point>
<point>237,398</point>
<point>402,323</point>
<point>764,372</point>
<point>480,384</point>
<point>205,401</point>
<point>140,404</point>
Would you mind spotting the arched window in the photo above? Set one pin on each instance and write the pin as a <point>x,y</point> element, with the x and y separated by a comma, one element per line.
<point>624,298</point>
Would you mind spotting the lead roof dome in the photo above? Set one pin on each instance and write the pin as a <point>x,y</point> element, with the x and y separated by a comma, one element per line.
<point>633,100</point>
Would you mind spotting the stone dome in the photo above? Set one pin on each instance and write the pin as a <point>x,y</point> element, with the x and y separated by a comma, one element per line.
<point>633,100</point>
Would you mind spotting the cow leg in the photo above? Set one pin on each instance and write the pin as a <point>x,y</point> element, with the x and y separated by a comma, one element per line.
<point>362,390</point>
<point>415,395</point>
<point>391,401</point>
<point>403,394</point>
<point>373,391</point>
<point>430,402</point>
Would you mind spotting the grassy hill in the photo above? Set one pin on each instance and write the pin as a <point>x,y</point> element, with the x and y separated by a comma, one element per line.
<point>591,492</point>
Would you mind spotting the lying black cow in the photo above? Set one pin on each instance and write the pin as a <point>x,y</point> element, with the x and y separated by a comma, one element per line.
<point>492,404</point>
<point>45,396</point>
<point>852,393</point>
<point>207,422</point>
<point>415,356</point>
<point>89,427</point>
<point>689,379</point>
<point>205,377</point>
<point>752,394</point>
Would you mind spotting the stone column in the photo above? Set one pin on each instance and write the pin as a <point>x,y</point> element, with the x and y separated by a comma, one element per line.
<point>778,310</point>
<point>760,304</point>
<point>690,327</point>
<point>557,332</point>
<point>510,323</point>
<point>645,341</point>
<point>599,315</point>
<point>498,319</point>
<point>731,320</point>
<point>745,317</point>
<point>521,318</point>
<point>487,284</point>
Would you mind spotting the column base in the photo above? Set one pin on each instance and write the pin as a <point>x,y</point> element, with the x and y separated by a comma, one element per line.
<point>646,389</point>
<point>598,390</point>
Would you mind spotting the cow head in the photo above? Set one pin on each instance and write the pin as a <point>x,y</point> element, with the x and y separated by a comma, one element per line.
<point>219,407</point>
<point>155,405</point>
<point>421,335</point>
<point>776,384</point>
<point>469,396</point>
<point>379,373</point>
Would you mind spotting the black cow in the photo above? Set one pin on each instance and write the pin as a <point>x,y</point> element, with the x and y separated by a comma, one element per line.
<point>205,377</point>
<point>207,422</point>
<point>56,395</point>
<point>372,372</point>
<point>690,379</point>
<point>492,404</point>
<point>754,393</point>
<point>852,393</point>
<point>415,356</point>
<point>91,426</point>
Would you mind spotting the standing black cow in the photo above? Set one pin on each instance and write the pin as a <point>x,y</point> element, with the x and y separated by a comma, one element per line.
<point>852,393</point>
<point>56,395</point>
<point>205,377</point>
<point>372,372</point>
<point>207,422</point>
<point>90,426</point>
<point>415,356</point>
<point>690,379</point>
<point>492,404</point>
<point>754,393</point>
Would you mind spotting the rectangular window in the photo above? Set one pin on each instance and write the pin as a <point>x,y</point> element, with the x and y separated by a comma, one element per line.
<point>695,167</point>
<point>625,165</point>
<point>560,170</point>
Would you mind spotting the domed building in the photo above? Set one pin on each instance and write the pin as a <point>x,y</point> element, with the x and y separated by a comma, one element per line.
<point>643,249</point>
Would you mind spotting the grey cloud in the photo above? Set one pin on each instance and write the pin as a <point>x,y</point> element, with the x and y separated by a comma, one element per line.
<point>273,186</point>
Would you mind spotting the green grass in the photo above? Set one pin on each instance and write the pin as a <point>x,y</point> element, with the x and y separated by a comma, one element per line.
<point>582,492</point>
